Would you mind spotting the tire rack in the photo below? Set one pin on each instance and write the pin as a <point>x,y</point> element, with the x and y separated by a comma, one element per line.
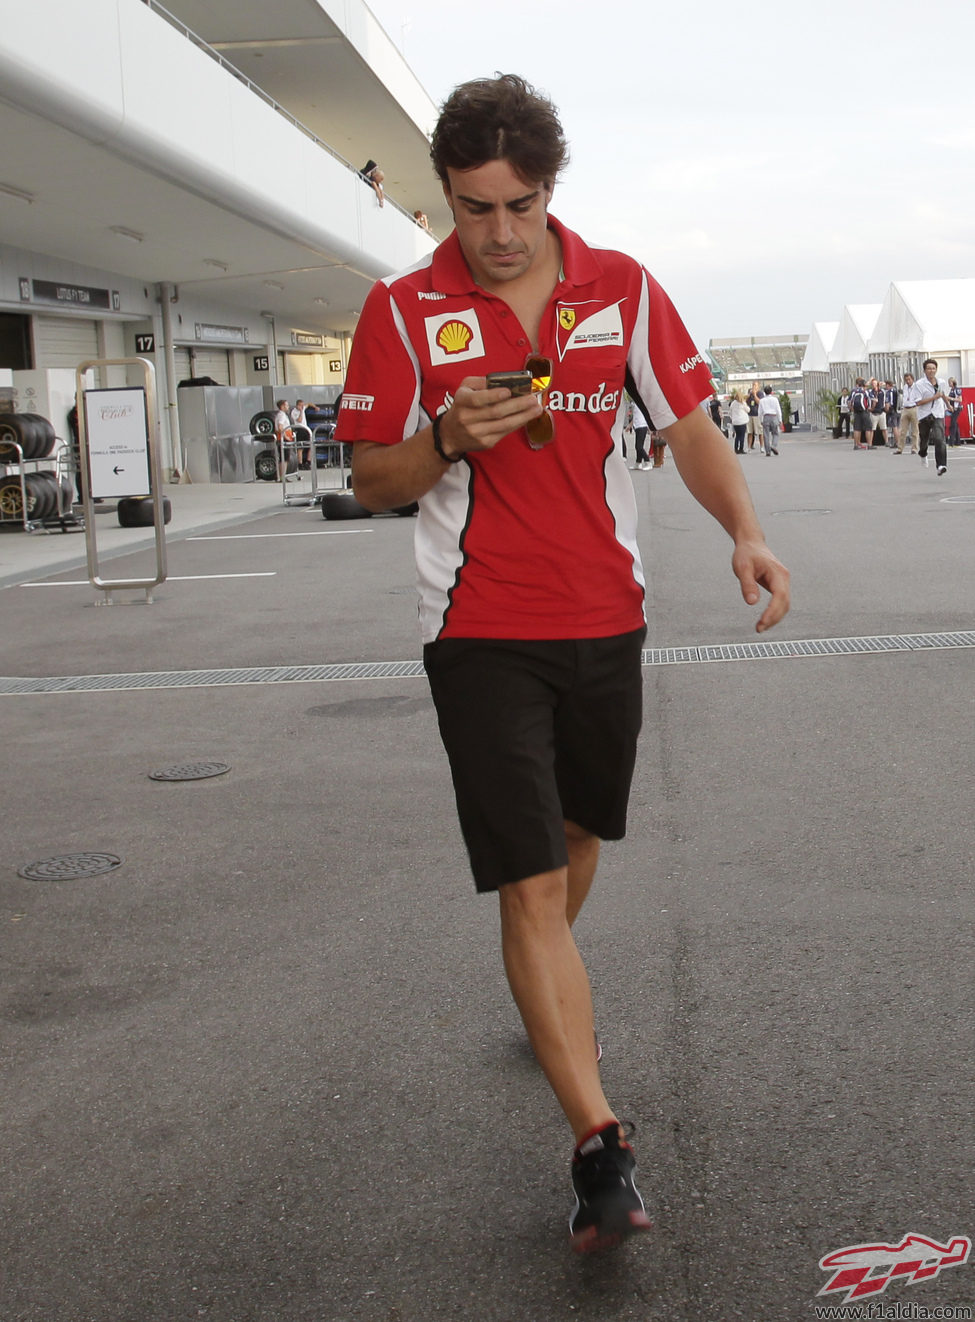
<point>65,520</point>
<point>286,451</point>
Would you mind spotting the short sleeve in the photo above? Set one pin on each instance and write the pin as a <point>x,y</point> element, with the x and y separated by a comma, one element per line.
<point>382,385</point>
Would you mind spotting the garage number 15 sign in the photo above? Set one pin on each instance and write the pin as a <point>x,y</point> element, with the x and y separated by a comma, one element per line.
<point>117,428</point>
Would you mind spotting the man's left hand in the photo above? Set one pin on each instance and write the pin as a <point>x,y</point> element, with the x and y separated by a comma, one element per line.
<point>756,567</point>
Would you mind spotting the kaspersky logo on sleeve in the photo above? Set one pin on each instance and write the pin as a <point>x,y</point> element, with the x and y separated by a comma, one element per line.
<point>453,337</point>
<point>866,1270</point>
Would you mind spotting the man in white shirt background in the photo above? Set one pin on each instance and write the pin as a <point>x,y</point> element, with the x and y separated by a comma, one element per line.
<point>770,416</point>
<point>932,399</point>
<point>304,436</point>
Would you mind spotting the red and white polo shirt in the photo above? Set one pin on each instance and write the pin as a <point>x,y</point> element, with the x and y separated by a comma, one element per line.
<point>515,542</point>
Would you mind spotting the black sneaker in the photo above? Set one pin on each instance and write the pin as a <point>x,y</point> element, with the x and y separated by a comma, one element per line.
<point>608,1204</point>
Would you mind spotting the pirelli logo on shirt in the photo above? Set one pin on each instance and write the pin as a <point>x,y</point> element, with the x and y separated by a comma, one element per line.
<point>453,337</point>
<point>358,403</point>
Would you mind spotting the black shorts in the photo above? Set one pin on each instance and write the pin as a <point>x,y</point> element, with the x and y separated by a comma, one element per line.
<point>862,421</point>
<point>537,733</point>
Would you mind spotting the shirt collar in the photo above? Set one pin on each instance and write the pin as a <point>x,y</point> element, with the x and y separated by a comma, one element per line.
<point>450,273</point>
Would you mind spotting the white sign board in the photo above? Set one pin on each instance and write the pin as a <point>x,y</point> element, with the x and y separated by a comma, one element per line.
<point>118,441</point>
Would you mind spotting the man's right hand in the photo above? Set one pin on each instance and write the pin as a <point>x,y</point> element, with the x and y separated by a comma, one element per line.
<point>479,418</point>
<point>385,476</point>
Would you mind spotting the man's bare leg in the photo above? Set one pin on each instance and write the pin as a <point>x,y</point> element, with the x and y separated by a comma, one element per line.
<point>551,989</point>
<point>583,858</point>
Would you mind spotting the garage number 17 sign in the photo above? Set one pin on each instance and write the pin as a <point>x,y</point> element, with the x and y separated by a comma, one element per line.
<point>118,441</point>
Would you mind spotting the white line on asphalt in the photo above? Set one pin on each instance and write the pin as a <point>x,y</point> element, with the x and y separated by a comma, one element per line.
<point>174,578</point>
<point>259,536</point>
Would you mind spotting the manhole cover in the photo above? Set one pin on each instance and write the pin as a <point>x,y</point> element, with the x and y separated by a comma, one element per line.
<point>67,867</point>
<point>776,513</point>
<point>191,771</point>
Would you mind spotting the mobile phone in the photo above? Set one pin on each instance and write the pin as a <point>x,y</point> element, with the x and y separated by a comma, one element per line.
<point>519,383</point>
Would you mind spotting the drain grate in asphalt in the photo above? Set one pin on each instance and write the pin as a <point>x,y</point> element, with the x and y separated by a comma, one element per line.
<point>190,679</point>
<point>669,656</point>
<point>777,513</point>
<point>191,771</point>
<point>70,867</point>
<point>12,686</point>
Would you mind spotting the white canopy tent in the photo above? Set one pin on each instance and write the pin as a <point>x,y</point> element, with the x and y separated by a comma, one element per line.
<point>815,369</point>
<point>821,341</point>
<point>848,357</point>
<point>926,319</point>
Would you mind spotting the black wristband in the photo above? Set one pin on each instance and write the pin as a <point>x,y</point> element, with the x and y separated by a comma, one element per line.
<point>438,444</point>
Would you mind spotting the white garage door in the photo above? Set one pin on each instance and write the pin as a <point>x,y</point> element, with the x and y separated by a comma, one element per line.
<point>64,341</point>
<point>212,362</point>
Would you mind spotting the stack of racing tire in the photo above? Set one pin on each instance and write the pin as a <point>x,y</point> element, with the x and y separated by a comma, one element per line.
<point>25,437</point>
<point>265,461</point>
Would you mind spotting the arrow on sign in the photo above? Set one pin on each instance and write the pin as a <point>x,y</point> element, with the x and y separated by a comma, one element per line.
<point>118,470</point>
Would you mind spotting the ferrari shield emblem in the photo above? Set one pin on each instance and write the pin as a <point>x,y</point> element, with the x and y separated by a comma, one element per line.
<point>567,318</point>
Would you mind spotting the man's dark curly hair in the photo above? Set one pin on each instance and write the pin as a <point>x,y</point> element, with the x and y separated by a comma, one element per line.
<point>500,118</point>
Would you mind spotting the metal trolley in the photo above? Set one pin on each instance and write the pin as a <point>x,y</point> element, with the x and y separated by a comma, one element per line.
<point>37,491</point>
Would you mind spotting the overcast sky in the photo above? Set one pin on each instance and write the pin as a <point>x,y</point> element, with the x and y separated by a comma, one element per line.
<point>769,163</point>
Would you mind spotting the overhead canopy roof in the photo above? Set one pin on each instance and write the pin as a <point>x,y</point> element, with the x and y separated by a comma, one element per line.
<point>331,65</point>
<point>758,355</point>
<point>856,327</point>
<point>75,186</point>
<point>821,340</point>
<point>926,316</point>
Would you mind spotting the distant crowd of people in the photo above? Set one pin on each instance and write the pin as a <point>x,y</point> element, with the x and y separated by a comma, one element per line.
<point>924,413</point>
<point>293,431</point>
<point>756,418</point>
<point>644,433</point>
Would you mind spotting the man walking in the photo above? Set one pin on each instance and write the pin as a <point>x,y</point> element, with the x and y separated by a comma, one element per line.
<point>893,416</point>
<point>954,412</point>
<point>862,420</point>
<point>531,588</point>
<point>753,399</point>
<point>908,427</point>
<point>878,416</point>
<point>640,429</point>
<point>932,400</point>
<point>770,414</point>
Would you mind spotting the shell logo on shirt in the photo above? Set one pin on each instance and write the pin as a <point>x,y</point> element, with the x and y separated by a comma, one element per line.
<point>599,329</point>
<point>453,337</point>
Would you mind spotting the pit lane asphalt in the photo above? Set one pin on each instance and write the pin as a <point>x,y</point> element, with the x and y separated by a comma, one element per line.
<point>268,1068</point>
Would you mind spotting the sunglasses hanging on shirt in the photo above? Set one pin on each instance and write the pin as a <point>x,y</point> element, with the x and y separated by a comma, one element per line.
<point>542,429</point>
